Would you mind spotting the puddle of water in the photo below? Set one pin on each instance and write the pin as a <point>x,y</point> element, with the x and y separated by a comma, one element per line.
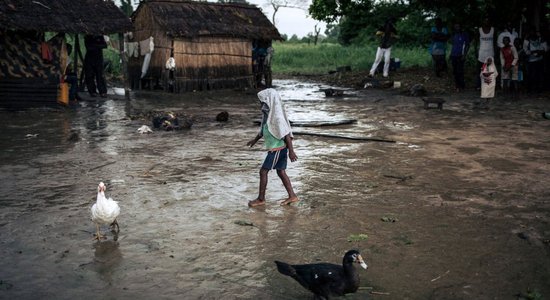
<point>180,194</point>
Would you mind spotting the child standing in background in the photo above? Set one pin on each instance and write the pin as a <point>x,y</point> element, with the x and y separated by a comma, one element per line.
<point>488,77</point>
<point>509,61</point>
<point>277,134</point>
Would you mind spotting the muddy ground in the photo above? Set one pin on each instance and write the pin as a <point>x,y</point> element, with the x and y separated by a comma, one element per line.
<point>468,192</point>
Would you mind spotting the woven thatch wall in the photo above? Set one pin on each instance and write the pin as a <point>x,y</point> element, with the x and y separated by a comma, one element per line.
<point>211,43</point>
<point>212,63</point>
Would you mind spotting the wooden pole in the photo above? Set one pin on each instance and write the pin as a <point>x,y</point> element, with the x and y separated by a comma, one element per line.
<point>124,59</point>
<point>345,137</point>
<point>75,53</point>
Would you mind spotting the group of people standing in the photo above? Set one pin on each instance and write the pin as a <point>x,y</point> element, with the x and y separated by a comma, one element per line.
<point>519,60</point>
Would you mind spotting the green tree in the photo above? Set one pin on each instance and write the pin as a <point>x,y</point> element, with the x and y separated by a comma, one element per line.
<point>359,19</point>
<point>293,39</point>
<point>126,7</point>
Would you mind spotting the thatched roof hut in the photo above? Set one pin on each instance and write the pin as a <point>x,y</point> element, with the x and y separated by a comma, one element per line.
<point>210,42</point>
<point>69,16</point>
<point>26,78</point>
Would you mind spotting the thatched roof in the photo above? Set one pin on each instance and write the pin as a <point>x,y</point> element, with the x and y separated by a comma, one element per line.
<point>181,18</point>
<point>69,16</point>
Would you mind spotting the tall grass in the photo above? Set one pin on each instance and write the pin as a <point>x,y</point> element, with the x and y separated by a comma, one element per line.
<point>310,59</point>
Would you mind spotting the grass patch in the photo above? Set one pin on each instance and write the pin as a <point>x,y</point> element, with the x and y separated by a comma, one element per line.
<point>309,59</point>
<point>357,237</point>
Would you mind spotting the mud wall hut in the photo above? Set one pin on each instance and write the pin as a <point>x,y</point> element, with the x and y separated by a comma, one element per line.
<point>211,44</point>
<point>30,75</point>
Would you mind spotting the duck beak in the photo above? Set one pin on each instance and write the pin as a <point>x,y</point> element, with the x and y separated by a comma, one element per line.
<point>362,262</point>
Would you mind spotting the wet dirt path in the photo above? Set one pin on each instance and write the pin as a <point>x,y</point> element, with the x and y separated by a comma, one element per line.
<point>469,191</point>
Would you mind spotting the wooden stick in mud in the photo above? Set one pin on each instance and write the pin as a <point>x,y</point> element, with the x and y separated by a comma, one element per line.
<point>345,137</point>
<point>378,293</point>
<point>438,277</point>
<point>101,166</point>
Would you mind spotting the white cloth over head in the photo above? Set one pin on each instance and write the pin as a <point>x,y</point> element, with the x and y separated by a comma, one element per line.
<point>277,120</point>
<point>488,76</point>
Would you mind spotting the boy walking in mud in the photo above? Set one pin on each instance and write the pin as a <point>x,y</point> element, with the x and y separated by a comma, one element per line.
<point>277,134</point>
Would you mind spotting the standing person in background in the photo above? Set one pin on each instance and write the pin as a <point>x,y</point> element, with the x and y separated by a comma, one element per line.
<point>438,48</point>
<point>387,35</point>
<point>488,77</point>
<point>486,34</point>
<point>509,63</point>
<point>70,76</point>
<point>522,62</point>
<point>510,33</point>
<point>93,65</point>
<point>460,46</point>
<point>535,47</point>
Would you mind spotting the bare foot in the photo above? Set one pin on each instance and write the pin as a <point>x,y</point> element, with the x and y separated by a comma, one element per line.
<point>290,200</point>
<point>256,202</point>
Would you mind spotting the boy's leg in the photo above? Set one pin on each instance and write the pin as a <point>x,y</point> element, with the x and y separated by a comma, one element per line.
<point>261,194</point>
<point>288,186</point>
<point>505,86</point>
<point>515,89</point>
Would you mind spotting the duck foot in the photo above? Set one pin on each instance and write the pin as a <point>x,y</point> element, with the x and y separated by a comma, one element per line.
<point>113,225</point>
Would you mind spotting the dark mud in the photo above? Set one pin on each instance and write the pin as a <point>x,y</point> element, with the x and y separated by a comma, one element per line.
<point>468,190</point>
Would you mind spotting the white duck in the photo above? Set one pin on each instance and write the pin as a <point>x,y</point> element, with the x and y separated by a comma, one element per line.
<point>104,211</point>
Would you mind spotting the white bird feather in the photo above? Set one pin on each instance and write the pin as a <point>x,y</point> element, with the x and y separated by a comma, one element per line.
<point>105,210</point>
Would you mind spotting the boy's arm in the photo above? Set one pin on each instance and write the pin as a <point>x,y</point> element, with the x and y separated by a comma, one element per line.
<point>253,141</point>
<point>291,154</point>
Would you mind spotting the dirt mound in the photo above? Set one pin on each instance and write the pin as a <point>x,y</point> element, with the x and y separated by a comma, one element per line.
<point>406,78</point>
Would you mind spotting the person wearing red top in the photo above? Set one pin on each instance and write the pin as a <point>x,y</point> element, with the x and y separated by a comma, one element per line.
<point>509,69</point>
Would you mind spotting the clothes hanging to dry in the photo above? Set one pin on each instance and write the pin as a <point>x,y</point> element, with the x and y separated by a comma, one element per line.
<point>131,49</point>
<point>145,65</point>
<point>171,64</point>
<point>146,46</point>
<point>46,50</point>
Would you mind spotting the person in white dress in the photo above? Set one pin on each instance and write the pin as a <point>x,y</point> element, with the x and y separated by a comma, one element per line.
<point>488,76</point>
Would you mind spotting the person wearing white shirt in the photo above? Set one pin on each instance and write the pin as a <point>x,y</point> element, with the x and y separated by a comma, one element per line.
<point>509,32</point>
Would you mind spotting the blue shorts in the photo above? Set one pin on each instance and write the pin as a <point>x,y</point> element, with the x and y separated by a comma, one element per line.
<point>276,160</point>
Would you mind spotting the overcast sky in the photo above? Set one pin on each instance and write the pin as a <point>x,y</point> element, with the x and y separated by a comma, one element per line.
<point>290,21</point>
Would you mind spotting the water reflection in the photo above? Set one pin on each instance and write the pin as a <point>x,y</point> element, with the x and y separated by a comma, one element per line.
<point>107,259</point>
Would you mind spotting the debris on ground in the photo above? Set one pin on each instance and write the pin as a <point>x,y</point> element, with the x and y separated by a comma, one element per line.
<point>222,117</point>
<point>357,237</point>
<point>144,129</point>
<point>417,90</point>
<point>389,219</point>
<point>244,223</point>
<point>171,120</point>
<point>333,92</point>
